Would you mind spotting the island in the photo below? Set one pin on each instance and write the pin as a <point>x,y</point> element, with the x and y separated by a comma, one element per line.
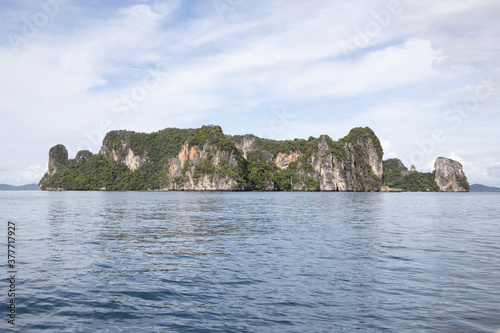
<point>206,159</point>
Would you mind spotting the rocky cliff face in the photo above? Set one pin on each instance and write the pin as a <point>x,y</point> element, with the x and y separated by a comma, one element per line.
<point>124,155</point>
<point>450,176</point>
<point>205,168</point>
<point>358,167</point>
<point>283,160</point>
<point>58,158</point>
<point>373,158</point>
<point>326,169</point>
<point>246,144</point>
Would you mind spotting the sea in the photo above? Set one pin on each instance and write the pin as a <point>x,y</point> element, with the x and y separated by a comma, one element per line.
<point>249,262</point>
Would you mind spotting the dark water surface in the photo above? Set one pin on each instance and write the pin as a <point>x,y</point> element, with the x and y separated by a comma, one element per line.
<point>253,262</point>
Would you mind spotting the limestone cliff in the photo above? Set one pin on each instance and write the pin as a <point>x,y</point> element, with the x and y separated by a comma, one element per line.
<point>205,168</point>
<point>352,164</point>
<point>282,160</point>
<point>246,144</point>
<point>122,152</point>
<point>58,158</point>
<point>450,176</point>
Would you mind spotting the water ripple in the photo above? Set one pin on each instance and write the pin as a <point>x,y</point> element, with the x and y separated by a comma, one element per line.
<point>256,262</point>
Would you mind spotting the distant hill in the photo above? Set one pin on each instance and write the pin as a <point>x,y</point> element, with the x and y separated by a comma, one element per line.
<point>28,187</point>
<point>483,188</point>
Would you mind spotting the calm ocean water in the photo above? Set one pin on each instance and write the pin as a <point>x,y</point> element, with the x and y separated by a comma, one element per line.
<point>253,262</point>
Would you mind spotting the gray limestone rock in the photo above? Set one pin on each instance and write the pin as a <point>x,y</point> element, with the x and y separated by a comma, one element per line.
<point>82,155</point>
<point>58,156</point>
<point>450,176</point>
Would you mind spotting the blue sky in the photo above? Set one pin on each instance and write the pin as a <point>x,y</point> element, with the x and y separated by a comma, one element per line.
<point>424,75</point>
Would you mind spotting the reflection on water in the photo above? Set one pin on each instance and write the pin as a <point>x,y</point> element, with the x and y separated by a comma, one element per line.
<point>257,262</point>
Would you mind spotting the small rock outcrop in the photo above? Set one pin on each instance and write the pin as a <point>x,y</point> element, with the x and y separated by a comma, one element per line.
<point>394,165</point>
<point>450,176</point>
<point>58,158</point>
<point>82,155</point>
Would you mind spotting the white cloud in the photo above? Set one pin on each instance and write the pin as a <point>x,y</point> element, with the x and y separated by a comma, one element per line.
<point>494,171</point>
<point>457,158</point>
<point>394,66</point>
<point>388,149</point>
<point>461,29</point>
<point>29,175</point>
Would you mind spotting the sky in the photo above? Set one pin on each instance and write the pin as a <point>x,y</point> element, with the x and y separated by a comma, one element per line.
<point>423,75</point>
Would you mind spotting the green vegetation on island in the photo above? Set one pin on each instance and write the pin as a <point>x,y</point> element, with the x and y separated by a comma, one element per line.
<point>396,175</point>
<point>205,159</point>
